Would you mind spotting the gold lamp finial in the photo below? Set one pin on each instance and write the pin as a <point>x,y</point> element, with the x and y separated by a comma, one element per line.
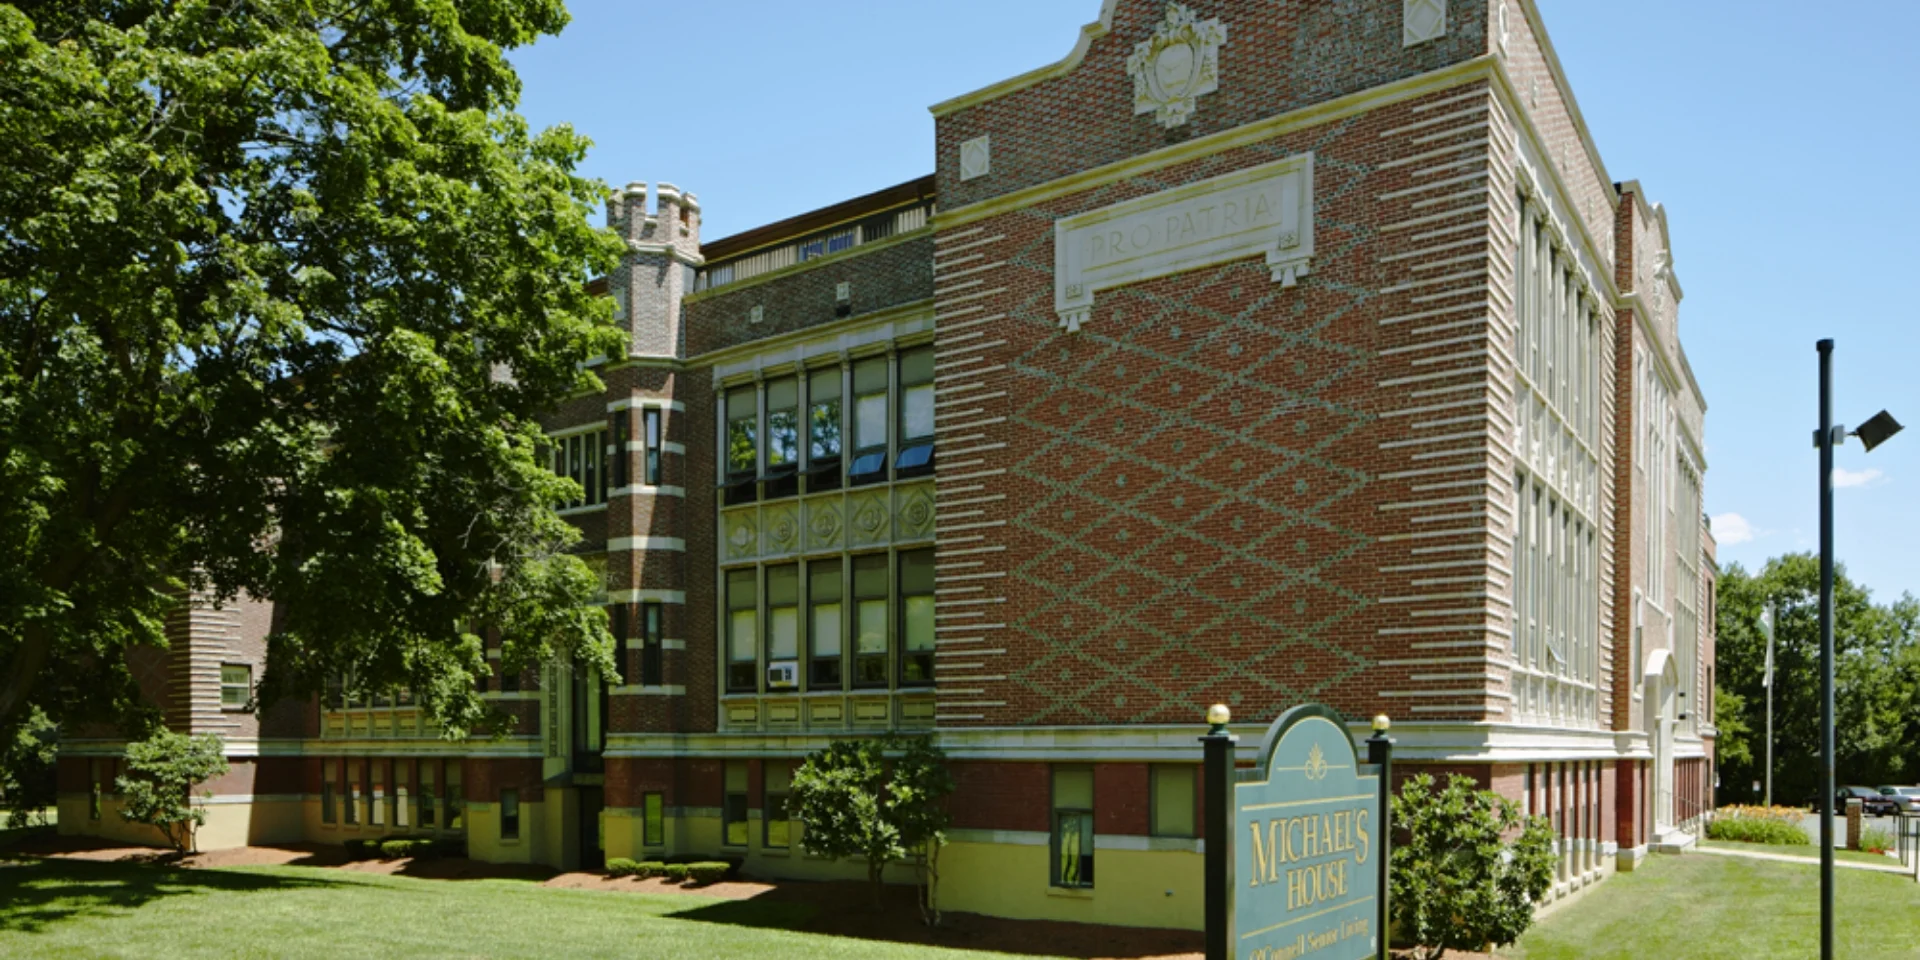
<point>1218,715</point>
<point>1381,724</point>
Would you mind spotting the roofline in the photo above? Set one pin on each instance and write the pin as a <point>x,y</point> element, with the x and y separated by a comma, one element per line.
<point>921,188</point>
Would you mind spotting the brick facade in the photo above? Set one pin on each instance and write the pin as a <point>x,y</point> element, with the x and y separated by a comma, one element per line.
<point>1227,485</point>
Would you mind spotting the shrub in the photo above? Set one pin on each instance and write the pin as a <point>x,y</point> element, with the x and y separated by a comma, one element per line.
<point>1876,840</point>
<point>419,848</point>
<point>1740,828</point>
<point>621,867</point>
<point>162,771</point>
<point>1456,884</point>
<point>1792,815</point>
<point>711,871</point>
<point>675,872</point>
<point>651,868</point>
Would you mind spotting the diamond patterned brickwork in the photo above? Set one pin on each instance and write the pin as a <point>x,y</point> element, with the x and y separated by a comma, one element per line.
<point>1214,491</point>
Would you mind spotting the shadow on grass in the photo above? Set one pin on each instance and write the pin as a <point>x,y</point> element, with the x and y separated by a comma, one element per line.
<point>839,909</point>
<point>39,893</point>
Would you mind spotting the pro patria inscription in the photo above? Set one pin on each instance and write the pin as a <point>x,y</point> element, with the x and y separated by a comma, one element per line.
<point>1260,210</point>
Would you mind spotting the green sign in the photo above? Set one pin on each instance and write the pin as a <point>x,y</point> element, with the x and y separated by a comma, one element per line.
<point>1309,832</point>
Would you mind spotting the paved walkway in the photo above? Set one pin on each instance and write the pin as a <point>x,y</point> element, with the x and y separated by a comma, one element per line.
<point>1783,858</point>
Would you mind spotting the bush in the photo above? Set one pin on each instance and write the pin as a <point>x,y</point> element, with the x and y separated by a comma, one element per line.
<point>675,872</point>
<point>711,871</point>
<point>621,867</point>
<point>419,848</point>
<point>1792,815</point>
<point>651,868</point>
<point>162,771</point>
<point>1740,828</point>
<point>1876,840</point>
<point>1456,884</point>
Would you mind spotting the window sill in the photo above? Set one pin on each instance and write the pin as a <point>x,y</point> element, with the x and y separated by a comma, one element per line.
<point>1071,893</point>
<point>576,511</point>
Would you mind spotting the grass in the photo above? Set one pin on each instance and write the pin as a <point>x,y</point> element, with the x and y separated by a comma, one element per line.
<point>1811,853</point>
<point>1703,907</point>
<point>63,908</point>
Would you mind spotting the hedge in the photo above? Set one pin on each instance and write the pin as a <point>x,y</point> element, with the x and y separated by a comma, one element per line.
<point>1754,830</point>
<point>675,872</point>
<point>712,871</point>
<point>623,867</point>
<point>394,848</point>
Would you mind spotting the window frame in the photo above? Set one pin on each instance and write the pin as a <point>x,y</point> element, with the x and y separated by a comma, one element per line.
<point>1192,773</point>
<point>907,656</point>
<point>728,797</point>
<point>734,607</point>
<point>771,800</point>
<point>246,685</point>
<point>1055,875</point>
<point>653,429</point>
<point>509,815</point>
<point>653,631</point>
<point>580,454</point>
<point>653,819</point>
<point>885,656</point>
<point>329,772</point>
<point>839,657</point>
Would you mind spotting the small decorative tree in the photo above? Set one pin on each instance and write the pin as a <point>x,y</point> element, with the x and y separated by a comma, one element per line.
<point>879,799</point>
<point>157,789</point>
<point>27,785</point>
<point>1456,883</point>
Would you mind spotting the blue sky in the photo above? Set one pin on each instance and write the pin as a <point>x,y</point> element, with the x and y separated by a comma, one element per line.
<point>1781,141</point>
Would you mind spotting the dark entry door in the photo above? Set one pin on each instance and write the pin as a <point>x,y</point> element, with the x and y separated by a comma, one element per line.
<point>593,847</point>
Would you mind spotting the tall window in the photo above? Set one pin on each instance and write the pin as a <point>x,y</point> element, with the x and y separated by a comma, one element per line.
<point>401,815</point>
<point>783,437</point>
<point>650,424</point>
<point>743,628</point>
<point>825,624</point>
<point>916,412</point>
<point>1072,826</point>
<point>329,775</point>
<point>743,444</point>
<point>428,768</point>
<point>783,614</point>
<point>353,801</point>
<point>734,804</point>
<point>456,803</point>
<point>652,638</point>
<point>377,795</point>
<point>870,620</point>
<point>1171,800</point>
<point>653,812</point>
<point>777,826</point>
<point>823,429</point>
<point>236,686</point>
<point>869,421</point>
<point>1555,615</point>
<point>916,618</point>
<point>509,814</point>
<point>581,457</point>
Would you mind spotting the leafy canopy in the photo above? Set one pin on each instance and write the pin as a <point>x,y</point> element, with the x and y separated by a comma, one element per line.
<point>162,771</point>
<point>283,285</point>
<point>878,799</point>
<point>1876,682</point>
<point>1456,884</point>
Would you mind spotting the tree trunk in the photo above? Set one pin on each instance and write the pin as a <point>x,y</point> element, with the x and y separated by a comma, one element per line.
<point>874,870</point>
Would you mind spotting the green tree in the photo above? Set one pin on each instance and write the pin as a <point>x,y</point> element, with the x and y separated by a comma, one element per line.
<point>283,286</point>
<point>27,785</point>
<point>878,799</point>
<point>1875,689</point>
<point>1456,884</point>
<point>1732,743</point>
<point>162,772</point>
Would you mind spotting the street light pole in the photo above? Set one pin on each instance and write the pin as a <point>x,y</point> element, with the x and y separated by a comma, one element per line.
<point>1770,620</point>
<point>1825,440</point>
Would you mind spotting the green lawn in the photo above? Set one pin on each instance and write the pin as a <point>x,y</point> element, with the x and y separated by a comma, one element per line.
<point>55,908</point>
<point>1811,853</point>
<point>1705,907</point>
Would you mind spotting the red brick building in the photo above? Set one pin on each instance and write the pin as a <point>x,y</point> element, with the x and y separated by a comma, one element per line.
<point>1253,353</point>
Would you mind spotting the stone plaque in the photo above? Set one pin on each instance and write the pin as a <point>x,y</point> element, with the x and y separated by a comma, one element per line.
<point>1265,209</point>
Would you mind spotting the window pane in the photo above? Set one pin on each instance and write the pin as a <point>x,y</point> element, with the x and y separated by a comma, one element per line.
<point>919,623</point>
<point>783,585</point>
<point>825,632</point>
<point>916,365</point>
<point>872,635</point>
<point>870,376</point>
<point>916,412</point>
<point>783,422</point>
<point>1073,845</point>
<point>1073,788</point>
<point>870,575</point>
<point>740,635</point>
<point>655,814</point>
<point>823,432</point>
<point>870,421</point>
<point>1172,800</point>
<point>783,633</point>
<point>743,419</point>
<point>916,571</point>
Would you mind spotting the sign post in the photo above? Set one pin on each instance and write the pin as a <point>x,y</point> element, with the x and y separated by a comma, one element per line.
<point>1297,847</point>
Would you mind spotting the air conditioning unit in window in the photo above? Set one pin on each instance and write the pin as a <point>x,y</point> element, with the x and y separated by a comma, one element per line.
<point>783,675</point>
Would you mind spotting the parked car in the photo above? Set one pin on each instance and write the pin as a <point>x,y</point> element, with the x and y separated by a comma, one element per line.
<point>1872,803</point>
<point>1907,797</point>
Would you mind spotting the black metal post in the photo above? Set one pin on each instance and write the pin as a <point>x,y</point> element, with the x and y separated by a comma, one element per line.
<point>1218,791</point>
<point>1825,440</point>
<point>1380,751</point>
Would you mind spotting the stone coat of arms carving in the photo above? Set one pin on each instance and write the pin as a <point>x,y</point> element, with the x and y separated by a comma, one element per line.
<point>1176,66</point>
